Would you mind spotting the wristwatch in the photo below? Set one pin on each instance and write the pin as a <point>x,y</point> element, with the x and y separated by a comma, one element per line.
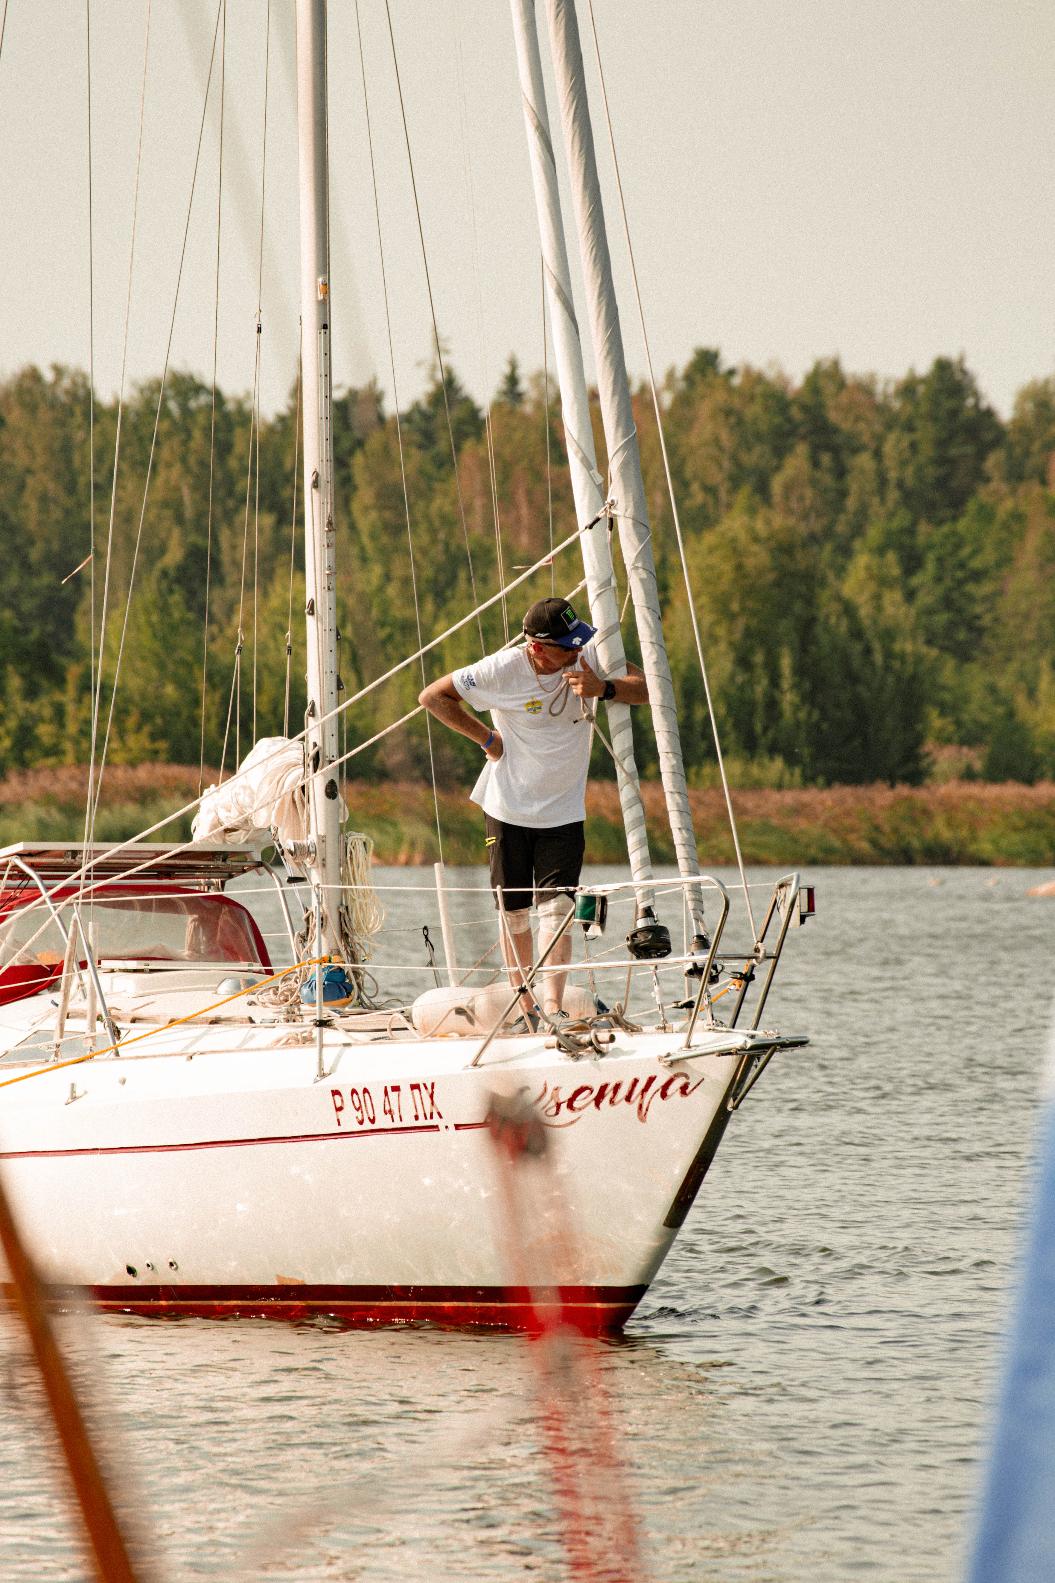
<point>609,692</point>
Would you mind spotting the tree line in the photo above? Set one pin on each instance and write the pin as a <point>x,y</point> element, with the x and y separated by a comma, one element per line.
<point>872,565</point>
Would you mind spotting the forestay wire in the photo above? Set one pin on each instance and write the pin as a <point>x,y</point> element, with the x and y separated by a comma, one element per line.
<point>668,474</point>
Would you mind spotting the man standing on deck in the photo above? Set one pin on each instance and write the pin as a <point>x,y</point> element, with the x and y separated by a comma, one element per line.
<point>533,786</point>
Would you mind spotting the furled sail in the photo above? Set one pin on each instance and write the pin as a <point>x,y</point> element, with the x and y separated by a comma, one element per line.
<point>266,798</point>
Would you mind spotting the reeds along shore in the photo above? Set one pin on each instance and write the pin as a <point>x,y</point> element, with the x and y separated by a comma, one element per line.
<point>960,822</point>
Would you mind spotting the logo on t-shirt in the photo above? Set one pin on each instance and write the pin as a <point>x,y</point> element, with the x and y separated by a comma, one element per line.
<point>534,706</point>
<point>467,679</point>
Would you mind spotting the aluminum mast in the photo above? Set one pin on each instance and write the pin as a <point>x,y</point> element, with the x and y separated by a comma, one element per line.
<point>587,483</point>
<point>320,537</point>
<point>624,459</point>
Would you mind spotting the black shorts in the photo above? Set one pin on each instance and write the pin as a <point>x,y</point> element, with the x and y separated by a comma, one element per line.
<point>533,864</point>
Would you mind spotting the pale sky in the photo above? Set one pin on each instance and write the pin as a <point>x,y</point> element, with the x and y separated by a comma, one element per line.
<point>867,179</point>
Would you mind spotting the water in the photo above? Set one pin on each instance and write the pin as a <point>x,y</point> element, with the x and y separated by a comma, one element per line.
<point>802,1396</point>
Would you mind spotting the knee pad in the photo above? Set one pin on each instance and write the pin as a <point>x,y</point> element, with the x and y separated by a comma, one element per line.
<point>519,922</point>
<point>553,911</point>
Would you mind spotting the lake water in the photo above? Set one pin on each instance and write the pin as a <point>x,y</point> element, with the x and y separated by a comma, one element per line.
<point>801,1398</point>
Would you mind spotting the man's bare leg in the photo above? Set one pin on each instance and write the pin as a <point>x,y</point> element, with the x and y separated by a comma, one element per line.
<point>552,914</point>
<point>517,953</point>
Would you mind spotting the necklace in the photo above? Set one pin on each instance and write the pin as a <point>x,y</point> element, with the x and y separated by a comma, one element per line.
<point>559,680</point>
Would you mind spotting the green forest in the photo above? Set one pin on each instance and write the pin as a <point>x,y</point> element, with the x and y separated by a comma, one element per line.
<point>873,566</point>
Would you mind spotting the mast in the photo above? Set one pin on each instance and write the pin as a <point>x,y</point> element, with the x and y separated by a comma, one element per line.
<point>324,866</point>
<point>624,459</point>
<point>587,483</point>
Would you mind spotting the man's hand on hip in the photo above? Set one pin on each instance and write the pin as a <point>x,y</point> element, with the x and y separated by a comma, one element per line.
<point>495,749</point>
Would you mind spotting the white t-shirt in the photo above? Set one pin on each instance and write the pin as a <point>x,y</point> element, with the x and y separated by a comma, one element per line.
<point>540,780</point>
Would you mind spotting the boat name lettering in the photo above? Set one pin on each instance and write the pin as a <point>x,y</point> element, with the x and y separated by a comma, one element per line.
<point>564,1110</point>
<point>421,1104</point>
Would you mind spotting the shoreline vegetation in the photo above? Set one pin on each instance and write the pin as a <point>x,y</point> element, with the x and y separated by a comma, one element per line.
<point>961,822</point>
<point>872,562</point>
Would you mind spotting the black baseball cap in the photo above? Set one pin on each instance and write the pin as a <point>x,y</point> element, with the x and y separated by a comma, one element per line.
<point>554,621</point>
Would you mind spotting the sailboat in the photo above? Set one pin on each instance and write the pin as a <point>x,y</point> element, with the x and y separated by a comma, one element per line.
<point>185,1129</point>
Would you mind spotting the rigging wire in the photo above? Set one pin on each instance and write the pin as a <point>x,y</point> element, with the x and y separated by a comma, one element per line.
<point>435,327</point>
<point>160,405</point>
<point>95,785</point>
<point>489,439</point>
<point>212,418</point>
<point>690,599</point>
<point>3,29</point>
<point>399,425</point>
<point>292,556</point>
<point>259,340</point>
<point>545,424</point>
<point>91,392</point>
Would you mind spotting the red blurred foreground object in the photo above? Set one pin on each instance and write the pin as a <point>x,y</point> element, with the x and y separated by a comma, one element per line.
<point>598,1524</point>
<point>27,1295</point>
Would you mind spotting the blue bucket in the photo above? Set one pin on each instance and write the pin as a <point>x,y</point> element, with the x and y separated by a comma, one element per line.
<point>337,988</point>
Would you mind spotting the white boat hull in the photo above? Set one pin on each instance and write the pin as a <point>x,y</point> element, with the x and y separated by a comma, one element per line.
<point>210,1180</point>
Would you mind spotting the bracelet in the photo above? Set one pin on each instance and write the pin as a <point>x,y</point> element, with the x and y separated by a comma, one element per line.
<point>485,745</point>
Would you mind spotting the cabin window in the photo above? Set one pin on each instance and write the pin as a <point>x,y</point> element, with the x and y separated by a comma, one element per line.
<point>135,928</point>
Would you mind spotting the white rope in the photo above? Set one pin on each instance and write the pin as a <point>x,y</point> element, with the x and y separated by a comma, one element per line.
<point>667,470</point>
<point>362,905</point>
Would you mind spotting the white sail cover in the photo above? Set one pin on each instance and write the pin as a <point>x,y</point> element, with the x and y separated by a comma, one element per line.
<point>268,796</point>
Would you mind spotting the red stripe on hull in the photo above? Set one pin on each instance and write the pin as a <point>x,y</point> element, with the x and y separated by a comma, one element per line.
<point>241,1143</point>
<point>589,1309</point>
